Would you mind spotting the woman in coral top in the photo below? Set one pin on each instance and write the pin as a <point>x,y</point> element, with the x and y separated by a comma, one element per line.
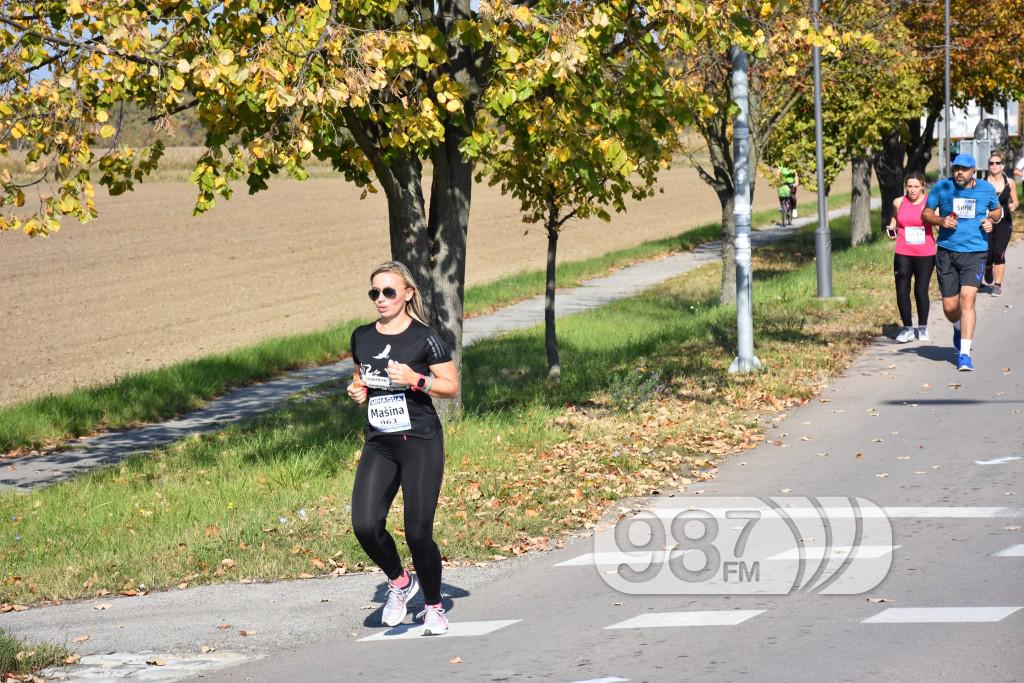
<point>914,258</point>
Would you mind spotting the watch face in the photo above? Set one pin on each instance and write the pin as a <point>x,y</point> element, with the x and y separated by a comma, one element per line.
<point>421,382</point>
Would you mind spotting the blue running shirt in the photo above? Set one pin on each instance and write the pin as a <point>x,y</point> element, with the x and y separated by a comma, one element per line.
<point>971,205</point>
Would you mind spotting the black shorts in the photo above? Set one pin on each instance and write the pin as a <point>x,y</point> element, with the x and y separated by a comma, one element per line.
<point>958,269</point>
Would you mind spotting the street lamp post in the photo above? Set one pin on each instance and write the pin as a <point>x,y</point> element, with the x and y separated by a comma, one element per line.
<point>745,360</point>
<point>948,142</point>
<point>822,236</point>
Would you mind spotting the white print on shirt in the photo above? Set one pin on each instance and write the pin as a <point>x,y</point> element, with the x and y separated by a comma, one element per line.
<point>389,413</point>
<point>913,234</point>
<point>375,379</point>
<point>383,354</point>
<point>964,207</point>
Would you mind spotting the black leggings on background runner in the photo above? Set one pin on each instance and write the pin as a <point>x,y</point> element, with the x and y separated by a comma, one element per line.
<point>998,241</point>
<point>417,466</point>
<point>920,268</point>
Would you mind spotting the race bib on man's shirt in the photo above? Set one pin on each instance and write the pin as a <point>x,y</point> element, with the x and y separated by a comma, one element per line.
<point>964,207</point>
<point>914,234</point>
<point>389,413</point>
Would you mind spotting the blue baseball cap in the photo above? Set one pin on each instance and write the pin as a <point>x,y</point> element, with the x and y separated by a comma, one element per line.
<point>965,161</point>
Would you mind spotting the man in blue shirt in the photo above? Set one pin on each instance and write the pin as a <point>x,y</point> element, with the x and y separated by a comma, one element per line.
<point>964,209</point>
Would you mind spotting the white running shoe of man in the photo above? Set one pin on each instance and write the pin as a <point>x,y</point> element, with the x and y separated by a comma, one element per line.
<point>922,333</point>
<point>435,623</point>
<point>398,601</point>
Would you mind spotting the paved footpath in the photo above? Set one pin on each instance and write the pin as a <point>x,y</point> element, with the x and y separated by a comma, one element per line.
<point>941,452</point>
<point>109,448</point>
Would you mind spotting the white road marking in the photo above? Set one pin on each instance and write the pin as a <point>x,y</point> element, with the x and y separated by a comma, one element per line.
<point>998,461</point>
<point>804,512</point>
<point>1012,551</point>
<point>615,559</point>
<point>817,552</point>
<point>940,615</point>
<point>456,629</point>
<point>729,617</point>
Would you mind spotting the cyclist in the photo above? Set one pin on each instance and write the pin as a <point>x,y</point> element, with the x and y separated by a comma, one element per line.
<point>788,178</point>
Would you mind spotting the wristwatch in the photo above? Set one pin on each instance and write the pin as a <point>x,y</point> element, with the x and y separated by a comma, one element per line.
<point>421,383</point>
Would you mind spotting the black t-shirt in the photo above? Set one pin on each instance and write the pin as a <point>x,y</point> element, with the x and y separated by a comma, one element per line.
<point>395,408</point>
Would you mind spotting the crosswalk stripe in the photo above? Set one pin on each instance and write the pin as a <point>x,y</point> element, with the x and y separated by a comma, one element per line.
<point>817,552</point>
<point>940,615</point>
<point>1012,551</point>
<point>456,629</point>
<point>922,512</point>
<point>729,617</point>
<point>998,461</point>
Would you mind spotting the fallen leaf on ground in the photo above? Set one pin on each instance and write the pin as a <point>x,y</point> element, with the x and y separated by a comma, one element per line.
<point>227,562</point>
<point>785,490</point>
<point>102,605</point>
<point>455,660</point>
<point>878,600</point>
<point>223,627</point>
<point>156,662</point>
<point>80,639</point>
<point>72,659</point>
<point>1011,528</point>
<point>246,633</point>
<point>882,475</point>
<point>859,455</point>
<point>207,648</point>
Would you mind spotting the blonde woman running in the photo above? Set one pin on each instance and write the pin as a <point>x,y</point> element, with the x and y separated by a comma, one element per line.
<point>400,363</point>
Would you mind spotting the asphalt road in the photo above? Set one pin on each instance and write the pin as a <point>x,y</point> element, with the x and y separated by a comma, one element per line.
<point>941,452</point>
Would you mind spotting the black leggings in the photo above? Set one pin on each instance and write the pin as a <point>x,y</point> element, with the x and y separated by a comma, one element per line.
<point>920,268</point>
<point>417,465</point>
<point>998,241</point>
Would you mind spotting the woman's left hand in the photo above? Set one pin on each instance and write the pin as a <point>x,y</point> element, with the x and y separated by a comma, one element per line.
<point>400,373</point>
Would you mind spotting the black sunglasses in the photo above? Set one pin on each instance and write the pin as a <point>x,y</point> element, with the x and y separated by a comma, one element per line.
<point>388,292</point>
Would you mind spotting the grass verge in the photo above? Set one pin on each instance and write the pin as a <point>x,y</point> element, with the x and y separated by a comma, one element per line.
<point>529,461</point>
<point>175,389</point>
<point>18,659</point>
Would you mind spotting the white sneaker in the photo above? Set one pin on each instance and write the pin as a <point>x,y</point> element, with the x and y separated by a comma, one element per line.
<point>922,333</point>
<point>398,601</point>
<point>435,623</point>
<point>795,214</point>
<point>905,335</point>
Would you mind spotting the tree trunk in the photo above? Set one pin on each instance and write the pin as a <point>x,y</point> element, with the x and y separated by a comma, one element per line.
<point>905,150</point>
<point>550,340</point>
<point>860,201</point>
<point>448,230</point>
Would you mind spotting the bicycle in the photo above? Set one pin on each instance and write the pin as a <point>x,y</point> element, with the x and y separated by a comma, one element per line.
<point>787,204</point>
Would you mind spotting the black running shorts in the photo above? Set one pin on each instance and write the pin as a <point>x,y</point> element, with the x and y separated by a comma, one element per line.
<point>958,269</point>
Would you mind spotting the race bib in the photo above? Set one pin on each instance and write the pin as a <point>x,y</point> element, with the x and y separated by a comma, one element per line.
<point>389,413</point>
<point>963,207</point>
<point>913,234</point>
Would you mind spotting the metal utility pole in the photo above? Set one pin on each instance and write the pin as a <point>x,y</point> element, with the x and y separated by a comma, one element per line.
<point>822,236</point>
<point>948,142</point>
<point>746,361</point>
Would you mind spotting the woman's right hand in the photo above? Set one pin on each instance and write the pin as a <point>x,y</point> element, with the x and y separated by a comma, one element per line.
<point>357,391</point>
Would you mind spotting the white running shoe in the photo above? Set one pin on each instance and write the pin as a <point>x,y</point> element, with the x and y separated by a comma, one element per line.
<point>398,601</point>
<point>905,335</point>
<point>795,214</point>
<point>922,333</point>
<point>435,623</point>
